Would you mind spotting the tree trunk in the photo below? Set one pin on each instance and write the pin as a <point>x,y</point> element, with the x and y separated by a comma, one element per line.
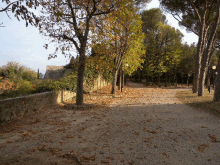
<point>182,80</point>
<point>200,50</point>
<point>208,78</point>
<point>208,54</point>
<point>80,79</point>
<point>158,80</point>
<point>202,80</point>
<point>115,74</point>
<point>120,79</point>
<point>169,80</point>
<point>148,80</point>
<point>166,80</point>
<point>175,78</point>
<point>217,84</point>
<point>123,80</point>
<point>141,76</point>
<point>198,64</point>
<point>175,81</point>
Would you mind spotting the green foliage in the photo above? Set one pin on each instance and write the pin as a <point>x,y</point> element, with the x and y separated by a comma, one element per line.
<point>69,82</point>
<point>21,76</point>
<point>98,64</point>
<point>163,44</point>
<point>66,83</point>
<point>188,58</point>
<point>25,88</point>
<point>47,85</point>
<point>29,75</point>
<point>14,71</point>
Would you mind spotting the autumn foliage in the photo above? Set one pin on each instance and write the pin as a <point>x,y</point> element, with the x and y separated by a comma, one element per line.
<point>7,85</point>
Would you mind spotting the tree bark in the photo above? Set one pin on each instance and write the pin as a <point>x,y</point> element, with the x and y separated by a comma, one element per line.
<point>115,74</point>
<point>208,54</point>
<point>217,84</point>
<point>80,78</point>
<point>120,79</point>
<point>208,77</point>
<point>198,62</point>
<point>123,80</point>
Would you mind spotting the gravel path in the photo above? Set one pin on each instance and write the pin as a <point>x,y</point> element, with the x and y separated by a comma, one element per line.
<point>150,126</point>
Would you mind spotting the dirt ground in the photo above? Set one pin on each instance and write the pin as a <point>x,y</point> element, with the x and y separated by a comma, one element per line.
<point>140,126</point>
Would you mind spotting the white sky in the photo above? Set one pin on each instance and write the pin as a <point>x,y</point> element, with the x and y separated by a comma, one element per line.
<point>25,45</point>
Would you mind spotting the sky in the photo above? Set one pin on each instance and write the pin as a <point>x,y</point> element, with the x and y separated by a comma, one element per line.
<point>25,45</point>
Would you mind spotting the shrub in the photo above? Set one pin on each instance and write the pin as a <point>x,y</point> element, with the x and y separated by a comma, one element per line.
<point>69,82</point>
<point>7,85</point>
<point>29,75</point>
<point>47,85</point>
<point>23,87</point>
<point>14,71</point>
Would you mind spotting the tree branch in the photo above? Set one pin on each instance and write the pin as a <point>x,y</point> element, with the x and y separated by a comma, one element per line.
<point>71,39</point>
<point>74,23</point>
<point>6,8</point>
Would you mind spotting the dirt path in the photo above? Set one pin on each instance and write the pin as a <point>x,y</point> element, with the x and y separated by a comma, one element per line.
<point>146,126</point>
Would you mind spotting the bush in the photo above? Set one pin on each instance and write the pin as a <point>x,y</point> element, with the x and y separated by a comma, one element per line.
<point>23,87</point>
<point>7,85</point>
<point>16,80</point>
<point>69,82</point>
<point>14,71</point>
<point>47,85</point>
<point>29,75</point>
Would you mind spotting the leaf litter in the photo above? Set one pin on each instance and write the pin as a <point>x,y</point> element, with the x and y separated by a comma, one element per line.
<point>58,133</point>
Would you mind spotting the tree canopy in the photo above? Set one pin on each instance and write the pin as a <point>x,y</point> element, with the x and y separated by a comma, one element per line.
<point>70,24</point>
<point>21,10</point>
<point>202,18</point>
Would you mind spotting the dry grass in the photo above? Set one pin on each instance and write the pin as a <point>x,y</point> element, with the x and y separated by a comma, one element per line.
<point>203,103</point>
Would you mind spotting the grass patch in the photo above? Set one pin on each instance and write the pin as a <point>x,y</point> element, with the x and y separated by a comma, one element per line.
<point>204,103</point>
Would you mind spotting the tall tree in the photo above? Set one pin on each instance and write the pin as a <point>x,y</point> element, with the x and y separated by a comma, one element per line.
<point>202,18</point>
<point>150,19</point>
<point>162,43</point>
<point>122,38</point>
<point>188,57</point>
<point>68,23</point>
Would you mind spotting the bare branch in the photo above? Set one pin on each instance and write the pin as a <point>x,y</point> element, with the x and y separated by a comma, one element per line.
<point>7,7</point>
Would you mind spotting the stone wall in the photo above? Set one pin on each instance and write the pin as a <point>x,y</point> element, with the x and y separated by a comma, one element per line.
<point>97,84</point>
<point>15,107</point>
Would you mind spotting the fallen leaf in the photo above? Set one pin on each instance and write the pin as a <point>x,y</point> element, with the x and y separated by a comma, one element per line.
<point>202,147</point>
<point>149,120</point>
<point>136,133</point>
<point>213,139</point>
<point>149,139</point>
<point>106,161</point>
